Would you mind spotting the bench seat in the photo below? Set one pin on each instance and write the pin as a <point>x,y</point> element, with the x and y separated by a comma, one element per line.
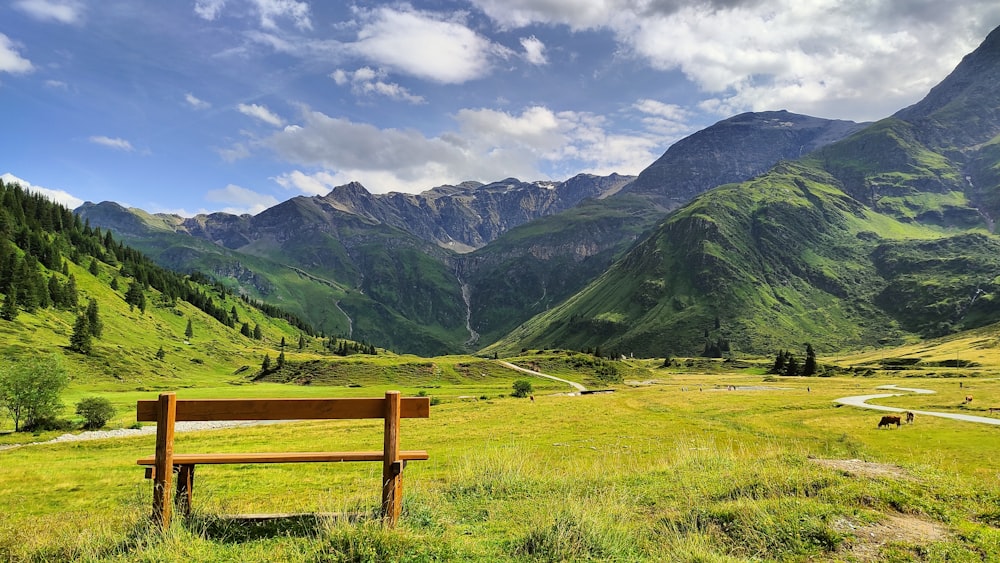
<point>284,457</point>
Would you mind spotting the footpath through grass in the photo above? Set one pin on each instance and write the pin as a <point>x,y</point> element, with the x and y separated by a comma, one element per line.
<point>682,469</point>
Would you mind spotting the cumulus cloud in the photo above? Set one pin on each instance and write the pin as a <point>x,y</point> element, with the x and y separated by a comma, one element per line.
<point>262,113</point>
<point>366,81</point>
<point>195,102</point>
<point>534,50</point>
<point>58,196</point>
<point>424,45</point>
<point>112,142</point>
<point>751,55</point>
<point>239,200</point>
<point>487,144</point>
<point>10,60</point>
<point>59,11</point>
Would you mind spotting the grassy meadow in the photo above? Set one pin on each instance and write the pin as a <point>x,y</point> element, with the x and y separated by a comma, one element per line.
<point>673,466</point>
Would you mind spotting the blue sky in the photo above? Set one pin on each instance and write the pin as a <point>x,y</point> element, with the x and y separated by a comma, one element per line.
<point>235,105</point>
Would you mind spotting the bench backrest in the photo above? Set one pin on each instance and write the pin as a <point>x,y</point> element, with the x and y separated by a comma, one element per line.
<point>284,409</point>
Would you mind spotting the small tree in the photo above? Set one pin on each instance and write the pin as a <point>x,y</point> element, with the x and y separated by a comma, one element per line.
<point>160,354</point>
<point>29,389</point>
<point>282,345</point>
<point>265,366</point>
<point>281,359</point>
<point>302,342</point>
<point>80,339</point>
<point>96,412</point>
<point>257,334</point>
<point>791,366</point>
<point>8,311</point>
<point>809,367</point>
<point>94,319</point>
<point>189,331</point>
<point>522,388</point>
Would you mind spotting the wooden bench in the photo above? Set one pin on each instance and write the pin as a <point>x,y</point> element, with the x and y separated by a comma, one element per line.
<point>166,410</point>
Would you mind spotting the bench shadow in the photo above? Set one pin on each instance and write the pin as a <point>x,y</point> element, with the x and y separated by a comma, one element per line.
<point>252,527</point>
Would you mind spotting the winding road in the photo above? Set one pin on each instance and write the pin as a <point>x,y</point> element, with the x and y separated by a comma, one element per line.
<point>861,401</point>
<point>572,384</point>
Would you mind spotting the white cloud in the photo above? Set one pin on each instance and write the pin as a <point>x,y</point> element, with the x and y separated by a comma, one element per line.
<point>536,143</point>
<point>534,50</point>
<point>858,60</point>
<point>267,11</point>
<point>238,151</point>
<point>261,113</point>
<point>58,196</point>
<point>112,142</point>
<point>59,11</point>
<point>366,81</point>
<point>57,84</point>
<point>209,9</point>
<point>10,60</point>
<point>195,102</point>
<point>423,45</point>
<point>240,200</point>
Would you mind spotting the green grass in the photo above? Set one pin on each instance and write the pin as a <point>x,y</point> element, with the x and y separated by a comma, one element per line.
<point>678,469</point>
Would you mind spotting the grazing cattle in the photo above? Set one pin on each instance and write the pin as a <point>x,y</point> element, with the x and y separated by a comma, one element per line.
<point>968,398</point>
<point>909,417</point>
<point>889,420</point>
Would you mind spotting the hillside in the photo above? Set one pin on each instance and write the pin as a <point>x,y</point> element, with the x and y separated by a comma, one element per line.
<point>876,238</point>
<point>53,266</point>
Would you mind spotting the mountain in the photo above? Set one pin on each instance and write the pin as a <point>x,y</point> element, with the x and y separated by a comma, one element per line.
<point>470,215</point>
<point>872,239</point>
<point>733,150</point>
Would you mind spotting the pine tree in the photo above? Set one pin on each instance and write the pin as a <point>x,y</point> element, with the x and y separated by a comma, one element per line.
<point>160,354</point>
<point>257,334</point>
<point>80,339</point>
<point>189,331</point>
<point>71,299</point>
<point>8,311</point>
<point>282,345</point>
<point>114,283</point>
<point>281,359</point>
<point>302,342</point>
<point>791,366</point>
<point>245,330</point>
<point>56,291</point>
<point>779,363</point>
<point>234,315</point>
<point>266,364</point>
<point>809,367</point>
<point>93,267</point>
<point>135,297</point>
<point>94,319</point>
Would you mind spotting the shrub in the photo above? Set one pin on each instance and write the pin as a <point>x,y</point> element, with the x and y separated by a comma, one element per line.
<point>96,411</point>
<point>522,388</point>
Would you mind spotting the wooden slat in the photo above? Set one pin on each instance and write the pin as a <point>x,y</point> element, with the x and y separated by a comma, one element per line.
<point>284,457</point>
<point>285,409</point>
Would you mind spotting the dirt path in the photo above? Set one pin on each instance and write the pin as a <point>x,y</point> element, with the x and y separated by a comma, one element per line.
<point>572,384</point>
<point>861,401</point>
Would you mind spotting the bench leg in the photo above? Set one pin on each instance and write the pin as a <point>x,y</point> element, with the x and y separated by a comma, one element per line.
<point>185,489</point>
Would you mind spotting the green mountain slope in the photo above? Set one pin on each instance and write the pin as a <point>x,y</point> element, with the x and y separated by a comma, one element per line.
<point>868,240</point>
<point>140,346</point>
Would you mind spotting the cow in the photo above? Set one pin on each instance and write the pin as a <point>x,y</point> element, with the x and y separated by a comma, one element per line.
<point>909,417</point>
<point>968,398</point>
<point>889,420</point>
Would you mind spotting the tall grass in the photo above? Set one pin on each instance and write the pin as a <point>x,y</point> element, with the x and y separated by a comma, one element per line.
<point>649,474</point>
